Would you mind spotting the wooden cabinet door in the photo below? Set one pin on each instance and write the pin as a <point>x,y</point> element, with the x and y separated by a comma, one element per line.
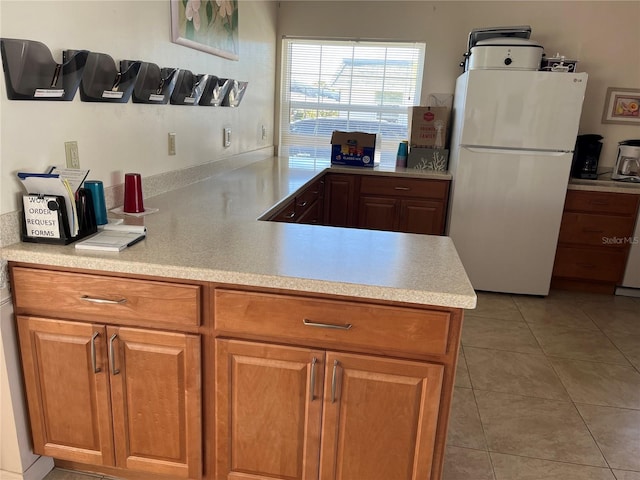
<point>422,216</point>
<point>340,200</point>
<point>67,384</point>
<point>378,213</point>
<point>156,398</point>
<point>268,408</point>
<point>379,419</point>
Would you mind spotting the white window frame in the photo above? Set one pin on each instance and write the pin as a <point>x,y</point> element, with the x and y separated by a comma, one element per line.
<point>389,145</point>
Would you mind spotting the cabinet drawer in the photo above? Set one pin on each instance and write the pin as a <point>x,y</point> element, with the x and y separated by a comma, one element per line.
<point>309,194</point>
<point>95,297</point>
<point>589,264</point>
<point>285,214</point>
<point>596,230</point>
<point>404,187</point>
<point>299,320</point>
<point>601,202</point>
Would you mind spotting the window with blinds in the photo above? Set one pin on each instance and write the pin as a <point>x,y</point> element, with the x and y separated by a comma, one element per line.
<point>332,85</point>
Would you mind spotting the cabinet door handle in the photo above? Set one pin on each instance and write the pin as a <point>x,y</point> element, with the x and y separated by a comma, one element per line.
<point>112,355</point>
<point>309,323</point>
<point>87,298</point>
<point>94,365</point>
<point>302,204</point>
<point>290,215</point>
<point>312,382</point>
<point>405,189</point>
<point>334,381</point>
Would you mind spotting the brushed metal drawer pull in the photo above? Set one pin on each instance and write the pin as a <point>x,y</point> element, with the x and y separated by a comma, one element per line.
<point>290,215</point>
<point>94,365</point>
<point>406,189</point>
<point>599,202</point>
<point>312,382</point>
<point>112,355</point>
<point>309,323</point>
<point>592,230</point>
<point>87,298</point>
<point>333,381</point>
<point>302,204</point>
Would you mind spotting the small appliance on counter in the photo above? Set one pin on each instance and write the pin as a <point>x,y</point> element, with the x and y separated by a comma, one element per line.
<point>627,167</point>
<point>586,156</point>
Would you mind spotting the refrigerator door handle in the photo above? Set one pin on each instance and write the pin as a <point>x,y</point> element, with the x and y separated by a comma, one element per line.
<point>516,151</point>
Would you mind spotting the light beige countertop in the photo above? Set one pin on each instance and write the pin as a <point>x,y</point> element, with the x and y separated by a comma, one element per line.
<point>209,231</point>
<point>604,184</point>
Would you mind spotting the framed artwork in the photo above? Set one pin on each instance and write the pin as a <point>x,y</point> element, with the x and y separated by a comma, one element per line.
<point>622,106</point>
<point>207,25</point>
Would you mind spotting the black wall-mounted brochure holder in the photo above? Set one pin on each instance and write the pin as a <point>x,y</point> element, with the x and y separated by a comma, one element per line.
<point>102,82</point>
<point>45,218</point>
<point>214,91</point>
<point>235,93</point>
<point>189,88</point>
<point>31,73</point>
<point>154,84</point>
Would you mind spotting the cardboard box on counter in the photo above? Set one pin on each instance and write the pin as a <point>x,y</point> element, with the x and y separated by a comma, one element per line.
<point>355,149</point>
<point>428,127</point>
<point>431,159</point>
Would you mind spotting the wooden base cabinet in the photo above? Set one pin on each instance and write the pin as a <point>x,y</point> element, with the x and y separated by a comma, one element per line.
<point>113,396</point>
<point>297,413</point>
<point>117,396</point>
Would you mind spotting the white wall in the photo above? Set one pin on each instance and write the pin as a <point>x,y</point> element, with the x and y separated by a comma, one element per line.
<point>118,138</point>
<point>603,35</point>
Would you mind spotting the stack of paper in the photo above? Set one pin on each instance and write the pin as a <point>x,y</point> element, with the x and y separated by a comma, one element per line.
<point>114,238</point>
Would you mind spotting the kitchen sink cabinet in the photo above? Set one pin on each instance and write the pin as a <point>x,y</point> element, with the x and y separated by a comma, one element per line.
<point>594,240</point>
<point>107,394</point>
<point>314,388</point>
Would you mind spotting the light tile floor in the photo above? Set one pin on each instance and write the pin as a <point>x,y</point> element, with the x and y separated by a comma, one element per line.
<point>546,389</point>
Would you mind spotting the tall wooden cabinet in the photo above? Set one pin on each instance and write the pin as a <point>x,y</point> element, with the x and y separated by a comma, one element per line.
<point>107,394</point>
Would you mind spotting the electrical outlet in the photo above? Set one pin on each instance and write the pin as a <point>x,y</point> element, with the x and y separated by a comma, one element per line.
<point>71,151</point>
<point>227,137</point>
<point>172,144</point>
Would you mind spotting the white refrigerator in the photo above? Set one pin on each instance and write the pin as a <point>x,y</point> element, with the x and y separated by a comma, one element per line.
<point>511,149</point>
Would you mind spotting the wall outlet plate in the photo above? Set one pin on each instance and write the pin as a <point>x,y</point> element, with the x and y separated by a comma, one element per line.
<point>71,152</point>
<point>226,139</point>
<point>172,144</point>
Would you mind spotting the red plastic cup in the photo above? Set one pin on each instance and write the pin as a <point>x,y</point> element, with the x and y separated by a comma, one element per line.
<point>133,193</point>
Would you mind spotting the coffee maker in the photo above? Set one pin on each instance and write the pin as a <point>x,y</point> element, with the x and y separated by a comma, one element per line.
<point>586,156</point>
<point>627,167</point>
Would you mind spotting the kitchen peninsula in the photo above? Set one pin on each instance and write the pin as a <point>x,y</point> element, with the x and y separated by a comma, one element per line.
<point>227,347</point>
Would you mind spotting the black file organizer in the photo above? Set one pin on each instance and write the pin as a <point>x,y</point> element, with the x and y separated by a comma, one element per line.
<point>86,218</point>
<point>235,93</point>
<point>214,91</point>
<point>154,84</point>
<point>31,73</point>
<point>189,88</point>
<point>102,82</point>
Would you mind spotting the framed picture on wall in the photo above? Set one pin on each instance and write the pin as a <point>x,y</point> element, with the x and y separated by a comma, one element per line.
<point>207,25</point>
<point>622,106</point>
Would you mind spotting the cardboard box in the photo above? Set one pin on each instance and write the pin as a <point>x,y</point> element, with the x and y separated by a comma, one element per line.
<point>429,159</point>
<point>429,127</point>
<point>356,149</point>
